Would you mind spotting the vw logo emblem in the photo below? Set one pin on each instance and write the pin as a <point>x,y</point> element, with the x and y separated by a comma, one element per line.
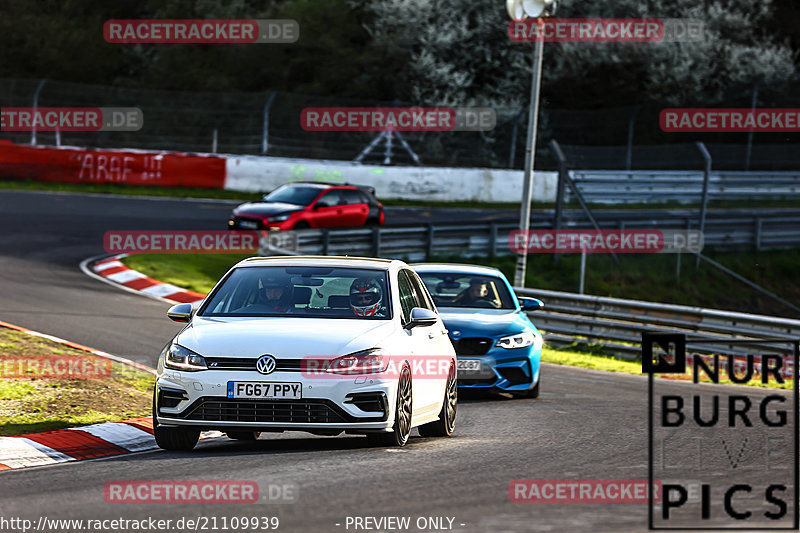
<point>265,364</point>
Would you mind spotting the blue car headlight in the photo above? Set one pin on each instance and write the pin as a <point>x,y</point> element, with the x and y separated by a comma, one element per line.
<point>520,340</point>
<point>180,358</point>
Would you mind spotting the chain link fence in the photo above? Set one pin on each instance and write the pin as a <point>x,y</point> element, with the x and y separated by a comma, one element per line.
<point>268,123</point>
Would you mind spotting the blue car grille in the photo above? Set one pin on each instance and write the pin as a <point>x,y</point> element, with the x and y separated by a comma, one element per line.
<point>473,345</point>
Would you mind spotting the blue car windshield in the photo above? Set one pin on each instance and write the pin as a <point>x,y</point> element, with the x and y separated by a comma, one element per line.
<point>462,290</point>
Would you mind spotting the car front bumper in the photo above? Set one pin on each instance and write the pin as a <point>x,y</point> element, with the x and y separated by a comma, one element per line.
<point>514,370</point>
<point>200,399</point>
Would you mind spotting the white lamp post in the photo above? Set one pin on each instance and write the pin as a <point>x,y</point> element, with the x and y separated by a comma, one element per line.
<point>518,10</point>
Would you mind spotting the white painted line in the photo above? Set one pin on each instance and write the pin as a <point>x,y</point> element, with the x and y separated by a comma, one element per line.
<point>126,276</point>
<point>123,435</point>
<point>162,289</point>
<point>105,266</point>
<point>18,452</point>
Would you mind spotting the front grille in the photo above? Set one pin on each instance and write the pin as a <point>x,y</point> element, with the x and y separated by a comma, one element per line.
<point>248,363</point>
<point>473,345</point>
<point>290,411</point>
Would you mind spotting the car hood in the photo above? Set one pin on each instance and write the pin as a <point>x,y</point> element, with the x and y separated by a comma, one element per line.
<point>483,322</point>
<point>265,208</point>
<point>282,337</point>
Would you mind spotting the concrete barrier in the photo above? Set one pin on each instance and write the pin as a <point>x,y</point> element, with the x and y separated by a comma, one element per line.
<point>253,174</point>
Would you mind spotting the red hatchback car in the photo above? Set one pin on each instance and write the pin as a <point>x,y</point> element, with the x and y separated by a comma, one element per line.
<point>310,205</point>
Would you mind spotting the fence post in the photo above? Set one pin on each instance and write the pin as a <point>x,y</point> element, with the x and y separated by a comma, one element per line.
<point>583,269</point>
<point>35,105</point>
<point>513,154</point>
<point>214,142</point>
<point>750,133</point>
<point>629,152</point>
<point>562,174</point>
<point>704,199</point>
<point>265,131</point>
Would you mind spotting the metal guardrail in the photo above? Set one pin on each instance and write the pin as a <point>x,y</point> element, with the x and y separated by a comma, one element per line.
<point>759,230</point>
<point>567,318</point>
<point>640,186</point>
<point>617,324</point>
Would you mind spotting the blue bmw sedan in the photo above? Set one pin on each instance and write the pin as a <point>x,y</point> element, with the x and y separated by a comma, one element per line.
<point>498,348</point>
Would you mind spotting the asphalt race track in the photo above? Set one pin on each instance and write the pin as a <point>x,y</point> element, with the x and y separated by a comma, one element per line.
<point>586,425</point>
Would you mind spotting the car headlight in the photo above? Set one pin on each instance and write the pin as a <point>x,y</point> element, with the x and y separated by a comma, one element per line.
<point>180,358</point>
<point>372,361</point>
<point>280,218</point>
<point>520,340</point>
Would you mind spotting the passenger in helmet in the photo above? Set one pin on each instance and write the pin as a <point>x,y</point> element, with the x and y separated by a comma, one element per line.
<point>366,297</point>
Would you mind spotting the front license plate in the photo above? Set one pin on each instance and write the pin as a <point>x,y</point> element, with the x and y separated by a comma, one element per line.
<point>265,390</point>
<point>469,365</point>
<point>248,224</point>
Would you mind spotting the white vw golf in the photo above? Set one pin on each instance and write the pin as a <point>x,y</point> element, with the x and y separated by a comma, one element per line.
<point>317,344</point>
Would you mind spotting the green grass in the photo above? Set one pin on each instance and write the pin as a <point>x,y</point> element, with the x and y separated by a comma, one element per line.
<point>649,277</point>
<point>197,272</point>
<point>594,359</point>
<point>33,404</point>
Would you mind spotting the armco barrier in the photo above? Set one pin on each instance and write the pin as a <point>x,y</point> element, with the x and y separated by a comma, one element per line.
<point>129,167</point>
<point>617,324</point>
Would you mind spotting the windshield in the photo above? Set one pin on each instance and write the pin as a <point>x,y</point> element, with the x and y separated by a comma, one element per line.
<point>460,290</point>
<point>292,194</point>
<point>318,292</point>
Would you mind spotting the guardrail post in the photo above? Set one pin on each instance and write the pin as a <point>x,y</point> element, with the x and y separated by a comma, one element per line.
<point>376,242</point>
<point>759,221</point>
<point>326,241</point>
<point>704,199</point>
<point>429,242</point>
<point>492,240</point>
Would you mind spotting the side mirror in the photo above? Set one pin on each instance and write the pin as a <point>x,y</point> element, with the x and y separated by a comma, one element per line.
<point>531,304</point>
<point>180,312</point>
<point>421,317</point>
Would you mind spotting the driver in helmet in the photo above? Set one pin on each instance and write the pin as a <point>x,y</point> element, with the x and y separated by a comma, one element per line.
<point>366,297</point>
<point>274,295</point>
